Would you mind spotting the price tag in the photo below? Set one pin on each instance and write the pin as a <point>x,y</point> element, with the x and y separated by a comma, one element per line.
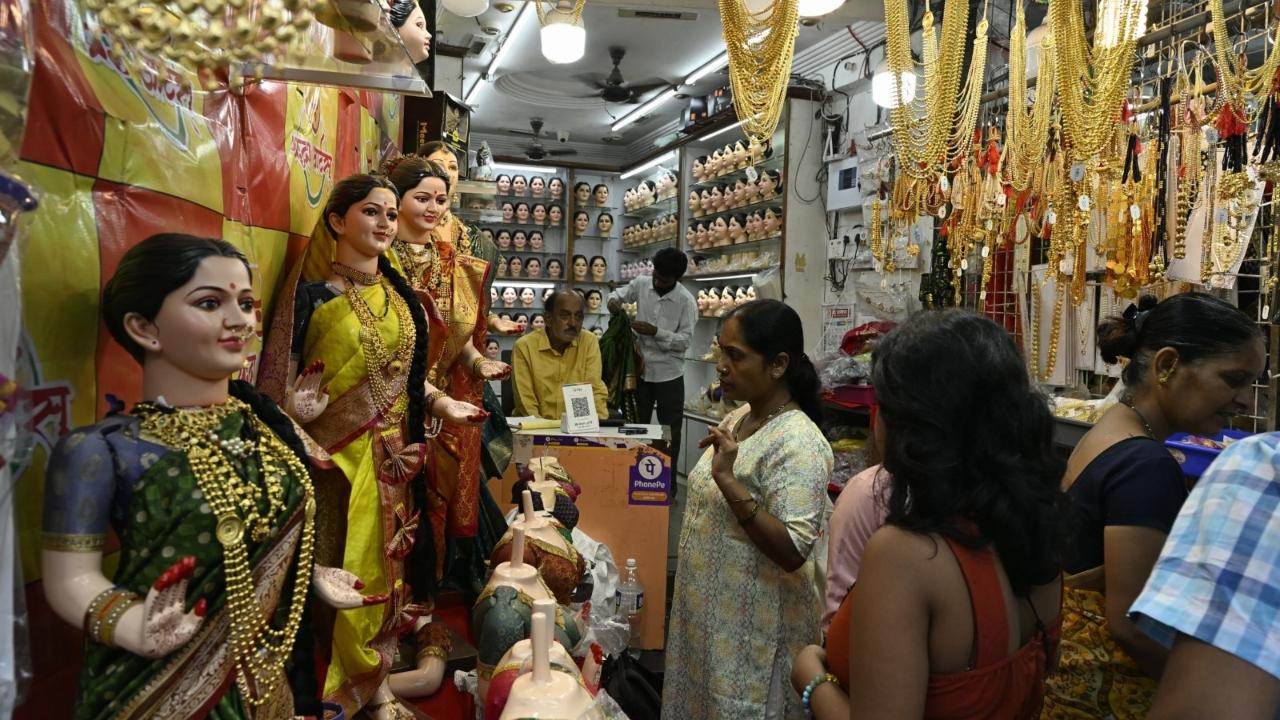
<point>1211,134</point>
<point>964,265</point>
<point>982,296</point>
<point>1077,172</point>
<point>1002,199</point>
<point>987,224</point>
<point>1051,217</point>
<point>1266,312</point>
<point>752,175</point>
<point>1220,215</point>
<point>944,184</point>
<point>1135,212</point>
<point>942,213</point>
<point>986,250</point>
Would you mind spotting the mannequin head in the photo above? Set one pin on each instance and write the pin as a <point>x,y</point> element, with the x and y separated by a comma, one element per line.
<point>695,202</point>
<point>579,267</point>
<point>629,199</point>
<point>533,267</point>
<point>538,322</point>
<point>738,227</point>
<point>492,350</point>
<point>526,298</point>
<point>708,201</point>
<point>440,154</point>
<point>555,269</point>
<point>539,214</point>
<point>690,236</point>
<point>408,20</point>
<point>739,193</point>
<point>703,235</point>
<point>555,188</point>
<point>604,224</point>
<point>493,296</point>
<point>582,193</point>
<point>183,302</point>
<point>546,294</point>
<point>646,193</point>
<point>487,234</point>
<point>504,240</point>
<point>504,184</point>
<point>717,162</point>
<point>720,230</point>
<point>700,166</point>
<point>536,241</point>
<point>509,296</point>
<point>423,187</point>
<point>666,184</point>
<point>740,156</point>
<point>519,185</point>
<point>599,268</point>
<point>555,214</point>
<point>517,267</point>
<point>520,239</point>
<point>503,266</point>
<point>594,298</point>
<point>754,222</point>
<point>597,331</point>
<point>601,194</point>
<point>537,186</point>
<point>522,213</point>
<point>717,197</point>
<point>508,212</point>
<point>772,220</point>
<point>770,183</point>
<point>521,319</point>
<point>581,221</point>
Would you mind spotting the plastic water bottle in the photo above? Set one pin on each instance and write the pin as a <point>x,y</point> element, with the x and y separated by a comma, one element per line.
<point>631,600</point>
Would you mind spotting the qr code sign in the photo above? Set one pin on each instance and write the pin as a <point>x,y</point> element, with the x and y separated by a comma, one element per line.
<point>580,407</point>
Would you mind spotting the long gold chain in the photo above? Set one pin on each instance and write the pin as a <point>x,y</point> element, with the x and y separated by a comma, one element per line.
<point>1027,134</point>
<point>760,47</point>
<point>376,356</point>
<point>260,650</point>
<point>1235,78</point>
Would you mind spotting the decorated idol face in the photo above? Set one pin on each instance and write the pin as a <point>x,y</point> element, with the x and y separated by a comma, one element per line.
<point>509,296</point>
<point>504,239</point>
<point>519,185</point>
<point>517,267</point>
<point>539,214</point>
<point>554,269</point>
<point>579,268</point>
<point>521,240</point>
<point>504,185</point>
<point>533,268</point>
<point>423,205</point>
<point>526,297</point>
<point>535,241</point>
<point>508,212</point>
<point>556,188</point>
<point>555,214</point>
<point>599,268</point>
<point>604,224</point>
<point>537,187</point>
<point>580,222</point>
<point>522,213</point>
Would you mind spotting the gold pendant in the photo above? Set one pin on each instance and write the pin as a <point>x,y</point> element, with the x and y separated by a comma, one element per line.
<point>230,530</point>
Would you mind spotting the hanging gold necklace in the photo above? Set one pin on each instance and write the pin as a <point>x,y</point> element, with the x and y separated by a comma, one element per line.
<point>377,359</point>
<point>236,500</point>
<point>760,48</point>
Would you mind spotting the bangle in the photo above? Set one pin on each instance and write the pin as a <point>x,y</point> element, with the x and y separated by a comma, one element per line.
<point>745,499</point>
<point>105,612</point>
<point>807,696</point>
<point>475,367</point>
<point>431,401</point>
<point>751,515</point>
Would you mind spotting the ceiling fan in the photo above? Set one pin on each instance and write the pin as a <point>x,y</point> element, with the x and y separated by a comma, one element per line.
<point>612,88</point>
<point>535,150</point>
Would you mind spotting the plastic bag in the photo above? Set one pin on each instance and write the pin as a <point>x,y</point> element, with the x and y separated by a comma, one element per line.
<point>836,369</point>
<point>604,708</point>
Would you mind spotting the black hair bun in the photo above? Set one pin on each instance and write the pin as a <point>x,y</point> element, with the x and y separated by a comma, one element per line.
<point>1118,336</point>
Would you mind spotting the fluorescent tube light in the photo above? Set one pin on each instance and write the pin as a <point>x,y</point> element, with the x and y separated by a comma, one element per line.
<point>524,168</point>
<point>722,131</point>
<point>506,40</point>
<point>640,112</point>
<point>652,163</point>
<point>711,66</point>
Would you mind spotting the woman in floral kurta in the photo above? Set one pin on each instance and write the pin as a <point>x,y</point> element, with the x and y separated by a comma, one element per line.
<point>737,617</point>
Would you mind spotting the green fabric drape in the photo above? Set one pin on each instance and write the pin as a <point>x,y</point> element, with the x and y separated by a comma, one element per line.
<point>622,365</point>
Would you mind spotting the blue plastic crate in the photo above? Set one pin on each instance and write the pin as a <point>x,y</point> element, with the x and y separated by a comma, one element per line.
<point>1195,459</point>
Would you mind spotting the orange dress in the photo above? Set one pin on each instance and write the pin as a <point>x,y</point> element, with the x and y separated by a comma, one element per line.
<point>999,685</point>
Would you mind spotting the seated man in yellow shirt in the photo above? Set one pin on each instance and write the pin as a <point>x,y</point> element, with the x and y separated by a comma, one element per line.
<point>560,354</point>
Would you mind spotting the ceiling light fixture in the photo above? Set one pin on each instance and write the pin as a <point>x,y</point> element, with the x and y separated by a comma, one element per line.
<point>515,167</point>
<point>564,39</point>
<point>640,112</point>
<point>471,94</point>
<point>818,8</point>
<point>743,276</point>
<point>709,67</point>
<point>506,41</point>
<point>466,8</point>
<point>652,163</point>
<point>722,131</point>
<point>884,90</point>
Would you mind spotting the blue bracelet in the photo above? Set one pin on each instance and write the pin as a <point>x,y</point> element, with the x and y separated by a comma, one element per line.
<point>807,695</point>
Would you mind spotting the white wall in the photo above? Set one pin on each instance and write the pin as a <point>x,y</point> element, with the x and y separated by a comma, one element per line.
<point>448,76</point>
<point>805,264</point>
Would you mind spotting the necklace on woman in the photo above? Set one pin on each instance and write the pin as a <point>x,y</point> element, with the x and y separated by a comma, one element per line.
<point>776,411</point>
<point>1141,418</point>
<point>354,275</point>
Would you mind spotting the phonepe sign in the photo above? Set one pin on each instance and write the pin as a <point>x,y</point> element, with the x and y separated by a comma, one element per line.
<point>650,481</point>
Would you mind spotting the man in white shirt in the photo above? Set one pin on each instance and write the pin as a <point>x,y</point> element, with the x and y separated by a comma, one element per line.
<point>664,324</point>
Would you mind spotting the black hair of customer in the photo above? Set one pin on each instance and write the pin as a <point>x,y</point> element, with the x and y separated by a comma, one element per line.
<point>771,327</point>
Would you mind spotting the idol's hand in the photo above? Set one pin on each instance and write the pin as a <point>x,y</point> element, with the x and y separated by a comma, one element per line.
<point>506,327</point>
<point>494,370</point>
<point>166,625</point>
<point>456,412</point>
<point>341,589</point>
<point>307,400</point>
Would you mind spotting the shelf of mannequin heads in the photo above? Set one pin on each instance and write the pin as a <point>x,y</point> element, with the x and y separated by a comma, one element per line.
<point>540,589</point>
<point>524,216</point>
<point>652,210</point>
<point>735,211</point>
<point>704,402</point>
